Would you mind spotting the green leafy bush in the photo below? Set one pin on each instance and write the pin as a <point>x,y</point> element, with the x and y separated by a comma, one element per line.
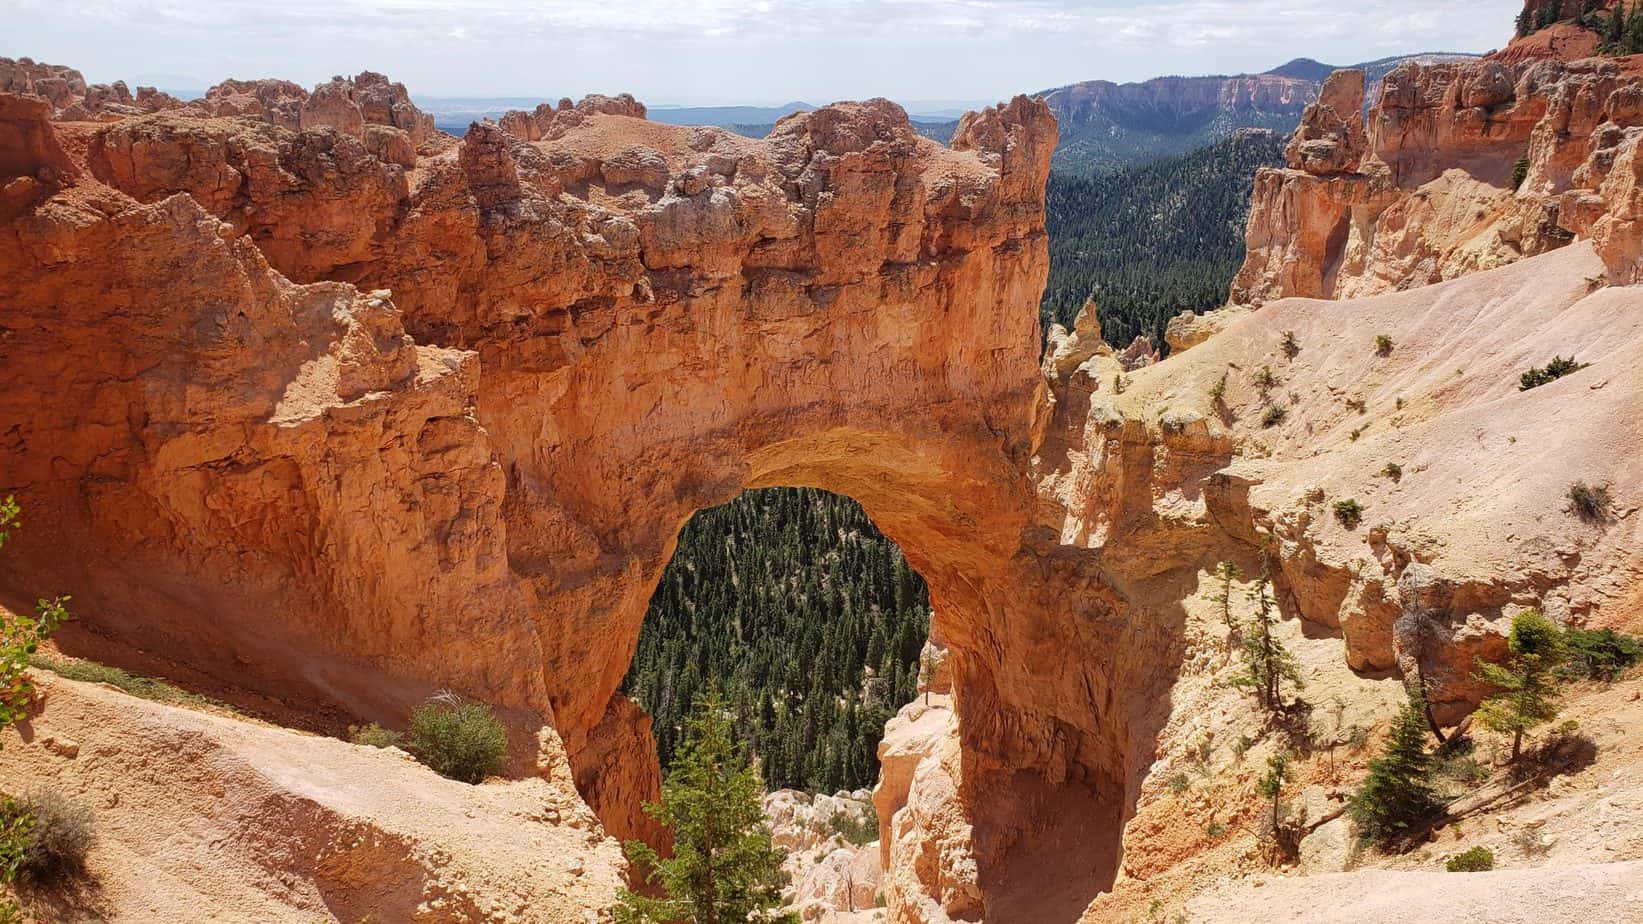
<point>1393,471</point>
<point>1479,859</point>
<point>1520,172</point>
<point>58,833</point>
<point>1599,654</point>
<point>374,735</point>
<point>1349,513</point>
<point>457,738</point>
<point>1383,345</point>
<point>1554,370</point>
<point>1273,415</point>
<point>1291,346</point>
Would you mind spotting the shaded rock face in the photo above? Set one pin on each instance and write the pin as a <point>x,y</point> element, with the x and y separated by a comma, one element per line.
<point>1424,191</point>
<point>346,434</point>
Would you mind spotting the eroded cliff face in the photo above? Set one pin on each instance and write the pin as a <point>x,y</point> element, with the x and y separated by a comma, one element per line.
<point>341,422</point>
<point>342,425</point>
<point>1461,167</point>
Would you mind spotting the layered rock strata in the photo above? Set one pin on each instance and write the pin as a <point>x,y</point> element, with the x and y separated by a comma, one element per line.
<point>1461,167</point>
<point>345,433</point>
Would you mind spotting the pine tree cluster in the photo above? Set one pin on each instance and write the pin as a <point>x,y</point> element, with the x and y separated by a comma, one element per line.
<point>806,618</point>
<point>1152,241</point>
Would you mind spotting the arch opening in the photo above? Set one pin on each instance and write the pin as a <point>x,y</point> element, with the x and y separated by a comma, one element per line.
<point>807,619</point>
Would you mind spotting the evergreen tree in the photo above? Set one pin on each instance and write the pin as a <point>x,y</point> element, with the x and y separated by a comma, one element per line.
<point>1271,786</point>
<point>1226,572</point>
<point>724,868</point>
<point>1397,794</point>
<point>1631,41</point>
<point>1268,665</point>
<point>1527,686</point>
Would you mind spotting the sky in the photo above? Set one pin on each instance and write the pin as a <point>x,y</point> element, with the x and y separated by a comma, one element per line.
<point>729,51</point>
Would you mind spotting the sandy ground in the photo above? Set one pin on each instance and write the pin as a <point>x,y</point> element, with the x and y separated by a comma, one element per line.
<point>207,817</point>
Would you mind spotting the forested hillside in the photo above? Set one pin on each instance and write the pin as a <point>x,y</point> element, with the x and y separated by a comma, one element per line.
<point>1152,241</point>
<point>804,615</point>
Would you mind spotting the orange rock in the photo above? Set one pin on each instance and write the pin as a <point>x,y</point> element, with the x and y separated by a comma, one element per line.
<point>1426,192</point>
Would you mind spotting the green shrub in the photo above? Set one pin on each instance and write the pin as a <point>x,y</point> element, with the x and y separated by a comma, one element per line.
<point>1218,391</point>
<point>1599,654</point>
<point>1349,512</point>
<point>1273,415</point>
<point>1292,347</point>
<point>1265,380</point>
<point>458,739</point>
<point>1215,830</point>
<point>1383,345</point>
<point>1520,172</point>
<point>1479,859</point>
<point>856,827</point>
<point>1178,782</point>
<point>374,735</point>
<point>58,835</point>
<point>1554,370</point>
<point>1393,471</point>
<point>1589,502</point>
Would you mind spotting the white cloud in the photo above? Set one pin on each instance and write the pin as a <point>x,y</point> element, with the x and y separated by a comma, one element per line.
<point>734,49</point>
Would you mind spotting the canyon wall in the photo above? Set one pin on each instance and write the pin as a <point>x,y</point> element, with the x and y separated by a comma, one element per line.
<point>1460,167</point>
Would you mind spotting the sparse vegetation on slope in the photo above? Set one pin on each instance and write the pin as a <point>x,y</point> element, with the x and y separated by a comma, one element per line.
<point>1477,859</point>
<point>137,685</point>
<point>1589,502</point>
<point>1556,369</point>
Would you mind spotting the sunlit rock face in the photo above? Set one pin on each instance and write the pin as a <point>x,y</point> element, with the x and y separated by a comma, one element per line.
<point>347,421</point>
<point>1458,168</point>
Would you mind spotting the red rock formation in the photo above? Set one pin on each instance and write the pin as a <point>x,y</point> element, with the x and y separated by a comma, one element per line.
<point>72,99</point>
<point>546,123</point>
<point>1428,193</point>
<point>302,491</point>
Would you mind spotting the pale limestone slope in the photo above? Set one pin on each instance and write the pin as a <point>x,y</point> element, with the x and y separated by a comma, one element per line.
<point>205,816</point>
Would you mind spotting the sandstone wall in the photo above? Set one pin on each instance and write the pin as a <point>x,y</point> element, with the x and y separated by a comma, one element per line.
<point>1425,190</point>
<point>341,431</point>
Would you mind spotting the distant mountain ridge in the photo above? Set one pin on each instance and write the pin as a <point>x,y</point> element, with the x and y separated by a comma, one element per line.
<point>1105,126</point>
<point>1108,126</point>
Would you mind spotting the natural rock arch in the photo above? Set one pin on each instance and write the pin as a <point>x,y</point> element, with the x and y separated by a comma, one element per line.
<point>341,500</point>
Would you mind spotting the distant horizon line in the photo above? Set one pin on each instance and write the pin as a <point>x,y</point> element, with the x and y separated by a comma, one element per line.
<point>933,105</point>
